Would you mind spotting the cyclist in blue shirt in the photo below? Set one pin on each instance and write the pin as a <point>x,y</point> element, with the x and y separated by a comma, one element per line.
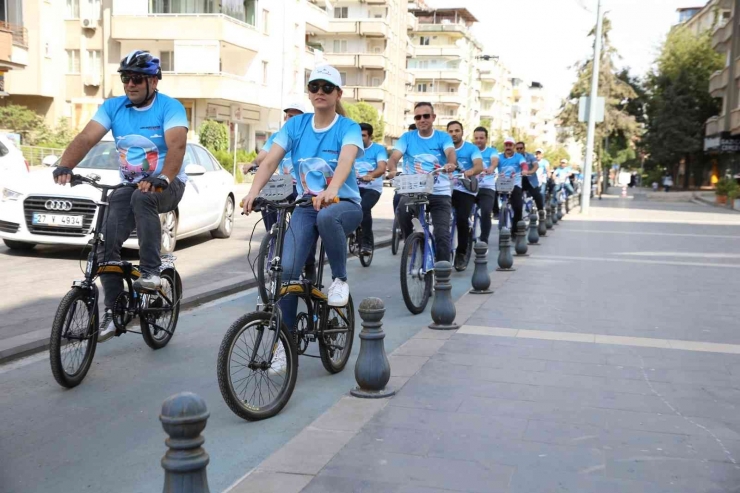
<point>562,178</point>
<point>542,171</point>
<point>324,146</point>
<point>531,184</point>
<point>150,131</point>
<point>396,196</point>
<point>486,181</point>
<point>425,150</point>
<point>470,161</point>
<point>511,163</point>
<point>370,170</point>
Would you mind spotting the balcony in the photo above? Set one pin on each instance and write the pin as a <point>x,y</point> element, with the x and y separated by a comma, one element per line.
<point>410,78</point>
<point>412,22</point>
<point>312,57</point>
<point>451,98</point>
<point>317,19</point>
<point>367,93</point>
<point>450,51</point>
<point>364,27</point>
<point>722,34</point>
<point>341,59</point>
<point>410,50</point>
<point>358,60</point>
<point>713,125</point>
<point>451,27</point>
<point>375,61</point>
<point>426,74</point>
<point>11,56</point>
<point>204,86</point>
<point>735,121</point>
<point>718,83</point>
<point>195,27</point>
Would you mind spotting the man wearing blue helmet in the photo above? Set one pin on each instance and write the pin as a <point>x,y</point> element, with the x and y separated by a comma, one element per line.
<point>150,131</point>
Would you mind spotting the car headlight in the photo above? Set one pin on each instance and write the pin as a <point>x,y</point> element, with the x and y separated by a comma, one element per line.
<point>8,194</point>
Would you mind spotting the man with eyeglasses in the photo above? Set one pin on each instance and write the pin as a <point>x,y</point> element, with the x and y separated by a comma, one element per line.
<point>150,131</point>
<point>531,184</point>
<point>425,150</point>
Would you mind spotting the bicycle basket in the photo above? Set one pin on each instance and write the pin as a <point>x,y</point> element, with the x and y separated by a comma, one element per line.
<point>414,184</point>
<point>280,187</point>
<point>505,184</point>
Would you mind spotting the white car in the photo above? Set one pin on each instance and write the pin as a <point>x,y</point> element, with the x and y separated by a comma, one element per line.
<point>29,205</point>
<point>12,162</point>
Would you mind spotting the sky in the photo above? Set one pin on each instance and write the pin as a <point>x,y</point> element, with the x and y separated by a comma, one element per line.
<point>541,39</point>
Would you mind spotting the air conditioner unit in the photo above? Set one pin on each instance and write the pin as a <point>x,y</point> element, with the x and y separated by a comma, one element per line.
<point>91,80</point>
<point>88,23</point>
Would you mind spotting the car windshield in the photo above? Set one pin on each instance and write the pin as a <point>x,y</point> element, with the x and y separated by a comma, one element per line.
<point>102,156</point>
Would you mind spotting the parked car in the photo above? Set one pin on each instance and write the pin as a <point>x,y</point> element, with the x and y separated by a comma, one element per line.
<point>206,206</point>
<point>12,162</point>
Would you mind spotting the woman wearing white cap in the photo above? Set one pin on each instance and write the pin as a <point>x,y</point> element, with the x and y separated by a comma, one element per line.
<point>324,146</point>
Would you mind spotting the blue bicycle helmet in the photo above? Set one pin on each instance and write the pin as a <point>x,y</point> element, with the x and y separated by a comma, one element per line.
<point>141,62</point>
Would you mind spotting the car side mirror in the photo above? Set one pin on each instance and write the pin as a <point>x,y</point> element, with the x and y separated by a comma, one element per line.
<point>194,170</point>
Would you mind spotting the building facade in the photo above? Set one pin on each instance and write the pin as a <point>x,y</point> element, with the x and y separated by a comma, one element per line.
<point>13,40</point>
<point>237,62</point>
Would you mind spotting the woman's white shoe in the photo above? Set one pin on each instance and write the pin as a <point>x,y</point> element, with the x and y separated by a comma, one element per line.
<point>338,293</point>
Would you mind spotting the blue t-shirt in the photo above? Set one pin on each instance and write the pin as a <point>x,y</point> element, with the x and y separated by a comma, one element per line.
<point>286,165</point>
<point>425,154</point>
<point>139,134</point>
<point>561,174</point>
<point>533,179</point>
<point>484,179</point>
<point>369,163</point>
<point>513,164</point>
<point>466,153</point>
<point>315,153</point>
<point>542,170</point>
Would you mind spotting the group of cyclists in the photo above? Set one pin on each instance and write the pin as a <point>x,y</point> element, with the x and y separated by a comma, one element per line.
<point>329,156</point>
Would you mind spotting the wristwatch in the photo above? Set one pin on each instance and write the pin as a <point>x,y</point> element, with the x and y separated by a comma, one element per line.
<point>164,177</point>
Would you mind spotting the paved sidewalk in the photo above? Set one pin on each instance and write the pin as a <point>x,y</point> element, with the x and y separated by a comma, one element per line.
<point>608,362</point>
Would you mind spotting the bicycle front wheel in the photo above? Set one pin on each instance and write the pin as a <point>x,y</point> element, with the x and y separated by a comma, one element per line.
<point>416,285</point>
<point>264,274</point>
<point>337,336</point>
<point>74,336</point>
<point>252,388</point>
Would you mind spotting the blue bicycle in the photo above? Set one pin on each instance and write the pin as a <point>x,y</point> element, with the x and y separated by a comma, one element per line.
<point>504,187</point>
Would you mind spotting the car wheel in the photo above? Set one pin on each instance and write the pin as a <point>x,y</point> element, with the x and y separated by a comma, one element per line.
<point>227,221</point>
<point>18,245</point>
<point>169,231</point>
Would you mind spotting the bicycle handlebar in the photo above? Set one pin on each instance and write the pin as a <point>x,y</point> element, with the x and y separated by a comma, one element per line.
<point>79,180</point>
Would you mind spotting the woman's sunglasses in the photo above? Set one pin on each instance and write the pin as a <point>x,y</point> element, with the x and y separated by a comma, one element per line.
<point>326,87</point>
<point>425,116</point>
<point>136,79</point>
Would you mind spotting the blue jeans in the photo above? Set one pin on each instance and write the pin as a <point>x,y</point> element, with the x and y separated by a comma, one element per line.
<point>333,224</point>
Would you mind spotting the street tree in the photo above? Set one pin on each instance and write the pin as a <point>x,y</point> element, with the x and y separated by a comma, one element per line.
<point>21,120</point>
<point>362,112</point>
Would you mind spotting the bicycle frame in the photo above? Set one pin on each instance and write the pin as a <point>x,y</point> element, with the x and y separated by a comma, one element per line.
<point>506,210</point>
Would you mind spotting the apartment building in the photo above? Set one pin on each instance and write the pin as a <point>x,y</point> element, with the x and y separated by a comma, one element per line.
<point>700,19</point>
<point>367,42</point>
<point>237,62</point>
<point>445,65</point>
<point>496,95</point>
<point>13,40</point>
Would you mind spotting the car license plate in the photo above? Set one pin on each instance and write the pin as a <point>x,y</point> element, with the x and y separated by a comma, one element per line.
<point>60,220</point>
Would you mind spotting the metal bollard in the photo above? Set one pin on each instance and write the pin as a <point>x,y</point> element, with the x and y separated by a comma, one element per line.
<point>505,259</point>
<point>542,226</point>
<point>443,308</point>
<point>372,370</point>
<point>548,217</point>
<point>481,280</point>
<point>534,230</point>
<point>184,418</point>
<point>559,212</point>
<point>555,217</point>
<point>520,246</point>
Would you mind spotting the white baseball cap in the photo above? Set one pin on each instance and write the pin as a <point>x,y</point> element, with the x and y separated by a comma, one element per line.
<point>509,140</point>
<point>563,161</point>
<point>296,105</point>
<point>539,151</point>
<point>327,73</point>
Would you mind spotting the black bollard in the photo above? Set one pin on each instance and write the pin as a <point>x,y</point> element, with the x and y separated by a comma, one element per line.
<point>548,218</point>
<point>443,308</point>
<point>559,213</point>
<point>505,259</point>
<point>555,217</point>
<point>184,418</point>
<point>481,280</point>
<point>520,246</point>
<point>534,231</point>
<point>542,226</point>
<point>372,370</point>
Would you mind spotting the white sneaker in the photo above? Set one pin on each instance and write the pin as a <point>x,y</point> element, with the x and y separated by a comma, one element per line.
<point>107,328</point>
<point>279,361</point>
<point>147,282</point>
<point>338,293</point>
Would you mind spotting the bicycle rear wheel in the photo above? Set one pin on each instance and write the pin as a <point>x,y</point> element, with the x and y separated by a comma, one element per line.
<point>335,348</point>
<point>158,327</point>
<point>254,390</point>
<point>367,258</point>
<point>74,336</point>
<point>416,285</point>
<point>395,236</point>
<point>264,274</point>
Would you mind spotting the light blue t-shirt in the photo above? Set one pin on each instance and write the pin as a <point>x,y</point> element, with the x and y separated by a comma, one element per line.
<point>369,163</point>
<point>315,153</point>
<point>561,174</point>
<point>484,179</point>
<point>425,154</point>
<point>286,164</point>
<point>512,165</point>
<point>531,160</point>
<point>466,153</point>
<point>139,134</point>
<point>542,170</point>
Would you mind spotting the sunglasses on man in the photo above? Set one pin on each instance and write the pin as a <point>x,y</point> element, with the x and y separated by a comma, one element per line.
<point>326,87</point>
<point>136,79</point>
<point>425,116</point>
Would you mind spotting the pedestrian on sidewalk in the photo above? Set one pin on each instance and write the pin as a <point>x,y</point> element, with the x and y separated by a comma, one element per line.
<point>667,181</point>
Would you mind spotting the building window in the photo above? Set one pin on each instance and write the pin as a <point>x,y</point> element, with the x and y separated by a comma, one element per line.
<point>422,87</point>
<point>424,40</point>
<point>341,12</point>
<point>343,76</point>
<point>167,61</point>
<point>93,62</point>
<point>264,72</point>
<point>340,46</point>
<point>265,21</point>
<point>73,9</point>
<point>73,61</point>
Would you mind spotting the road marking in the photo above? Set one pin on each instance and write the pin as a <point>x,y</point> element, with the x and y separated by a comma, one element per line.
<point>636,261</point>
<point>682,254</point>
<point>547,335</point>
<point>731,237</point>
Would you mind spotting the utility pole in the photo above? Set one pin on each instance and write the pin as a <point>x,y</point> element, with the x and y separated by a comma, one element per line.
<point>586,199</point>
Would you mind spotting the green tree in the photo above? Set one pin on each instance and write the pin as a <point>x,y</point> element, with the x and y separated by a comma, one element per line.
<point>554,154</point>
<point>679,102</point>
<point>58,137</point>
<point>19,119</point>
<point>485,123</point>
<point>362,112</point>
<point>518,135</point>
<point>214,136</point>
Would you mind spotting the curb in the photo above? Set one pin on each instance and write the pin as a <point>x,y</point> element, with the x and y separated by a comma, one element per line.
<point>38,340</point>
<point>702,201</point>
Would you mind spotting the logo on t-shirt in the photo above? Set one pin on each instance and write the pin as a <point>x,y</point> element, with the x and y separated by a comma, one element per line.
<point>315,175</point>
<point>138,156</point>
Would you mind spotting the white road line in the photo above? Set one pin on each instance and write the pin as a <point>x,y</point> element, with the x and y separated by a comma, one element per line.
<point>731,237</point>
<point>636,261</point>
